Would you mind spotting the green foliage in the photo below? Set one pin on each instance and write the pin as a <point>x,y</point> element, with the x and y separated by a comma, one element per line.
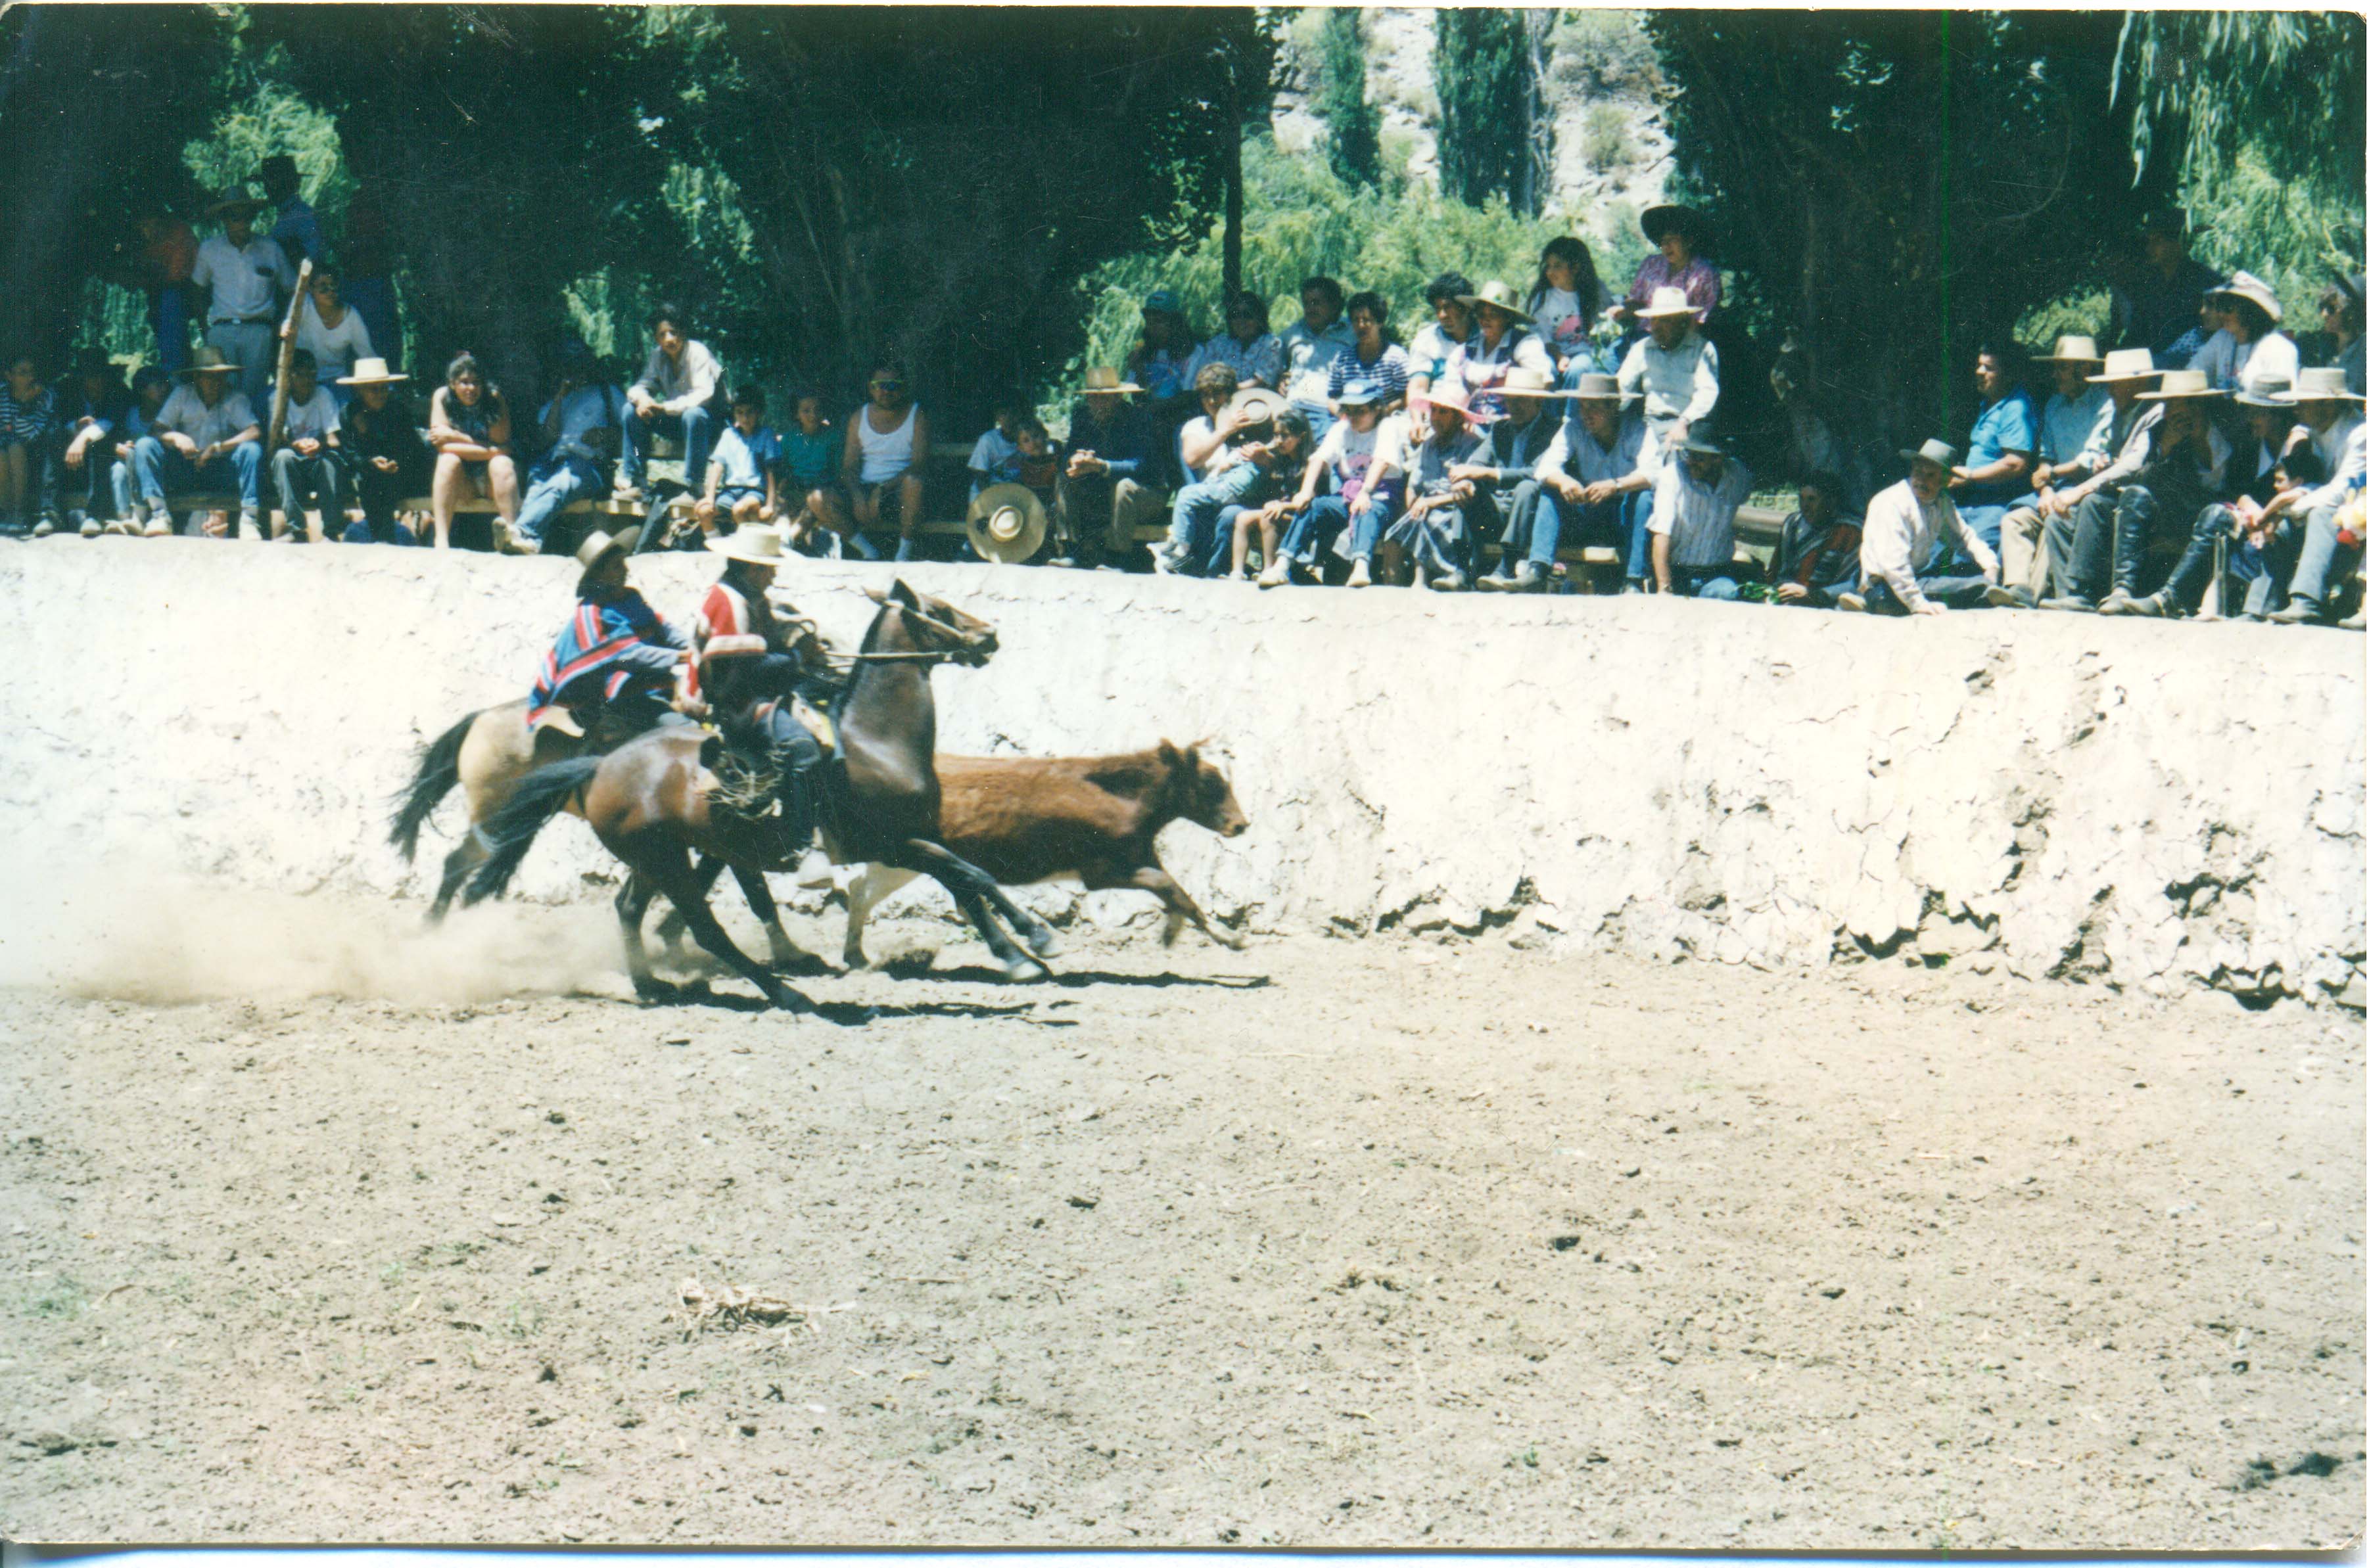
<point>1608,145</point>
<point>1480,64</point>
<point>2088,311</point>
<point>1605,51</point>
<point>265,115</point>
<point>1355,143</point>
<point>2294,233</point>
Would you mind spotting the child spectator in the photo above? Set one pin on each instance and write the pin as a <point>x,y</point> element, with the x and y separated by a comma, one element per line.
<point>1200,519</point>
<point>29,427</point>
<point>150,386</point>
<point>994,460</point>
<point>93,407</point>
<point>386,462</point>
<point>1567,299</point>
<point>740,481</point>
<point>307,466</point>
<point>1361,503</point>
<point>1815,558</point>
<point>1432,535</point>
<point>808,472</point>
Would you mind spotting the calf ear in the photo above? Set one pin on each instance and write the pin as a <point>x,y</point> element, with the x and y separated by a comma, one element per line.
<point>874,594</point>
<point>1168,755</point>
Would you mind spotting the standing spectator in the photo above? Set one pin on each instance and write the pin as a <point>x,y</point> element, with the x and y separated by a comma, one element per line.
<point>369,285</point>
<point>1247,344</point>
<point>2237,525</point>
<point>2096,552</point>
<point>881,466</point>
<point>582,425</point>
<point>2073,410</point>
<point>1363,502</point>
<point>206,437</point>
<point>1701,487</point>
<point>150,386</point>
<point>1674,369</point>
<point>295,229</point>
<point>1913,557</point>
<point>1436,343</point>
<point>246,275</point>
<point>2310,557</point>
<point>1502,339</point>
<point>168,259</point>
<point>1682,236</point>
<point>1372,354</point>
<point>2249,349</point>
<point>29,428</point>
<point>671,396</point>
<point>2003,450</point>
<point>1313,346</point>
<point>1433,532</point>
<point>1816,558</point>
<point>308,464</point>
<point>994,460</point>
<point>2163,291</point>
<point>1105,491</point>
<point>2340,307</point>
<point>331,330</point>
<point>1208,432</point>
<point>386,461</point>
<point>468,426</point>
<point>1603,469</point>
<point>1511,501</point>
<point>1566,303</point>
<point>740,481</point>
<point>91,409</point>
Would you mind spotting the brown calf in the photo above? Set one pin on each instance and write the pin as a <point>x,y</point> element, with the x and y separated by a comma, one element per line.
<point>1026,820</point>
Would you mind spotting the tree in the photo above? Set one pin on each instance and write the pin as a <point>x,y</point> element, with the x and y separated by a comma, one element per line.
<point>1354,148</point>
<point>1494,135</point>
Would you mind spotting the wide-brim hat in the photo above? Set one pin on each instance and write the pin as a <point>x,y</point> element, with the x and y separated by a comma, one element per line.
<point>1497,294</point>
<point>207,360</point>
<point>1102,379</point>
<point>2071,348</point>
<point>1704,442</point>
<point>751,542</point>
<point>2181,383</point>
<point>2320,382</point>
<point>1527,381</point>
<point>1686,220</point>
<point>1450,395</point>
<point>2269,392</point>
<point>2127,365</point>
<point>225,205</point>
<point>371,372</point>
<point>1255,405</point>
<point>1006,522</point>
<point>598,547</point>
<point>2354,284</point>
<point>1934,451</point>
<point>2244,285</point>
<point>1596,385</point>
<point>277,161</point>
<point>1667,302</point>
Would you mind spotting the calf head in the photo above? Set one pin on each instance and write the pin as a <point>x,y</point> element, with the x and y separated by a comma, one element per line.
<point>1197,791</point>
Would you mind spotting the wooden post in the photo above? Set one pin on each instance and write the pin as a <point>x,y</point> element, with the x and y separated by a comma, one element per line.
<point>287,351</point>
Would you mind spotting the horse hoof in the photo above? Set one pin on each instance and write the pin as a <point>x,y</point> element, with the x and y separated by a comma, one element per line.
<point>1044,943</point>
<point>1024,971</point>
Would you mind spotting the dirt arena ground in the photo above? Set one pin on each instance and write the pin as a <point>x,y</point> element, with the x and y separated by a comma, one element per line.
<point>1326,1243</point>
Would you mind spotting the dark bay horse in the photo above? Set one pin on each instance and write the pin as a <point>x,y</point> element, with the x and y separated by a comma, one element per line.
<point>648,802</point>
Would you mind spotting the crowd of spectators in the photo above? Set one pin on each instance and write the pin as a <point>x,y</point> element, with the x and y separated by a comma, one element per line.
<point>2210,443</point>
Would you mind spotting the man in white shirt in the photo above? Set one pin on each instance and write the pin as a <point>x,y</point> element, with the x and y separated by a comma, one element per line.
<point>1310,345</point>
<point>307,463</point>
<point>1674,369</point>
<point>2312,558</point>
<point>1700,489</point>
<point>671,398</point>
<point>246,275</point>
<point>1602,468</point>
<point>204,437</point>
<point>1911,555</point>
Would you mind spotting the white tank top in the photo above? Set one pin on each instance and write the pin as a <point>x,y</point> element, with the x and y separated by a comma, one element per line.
<point>885,457</point>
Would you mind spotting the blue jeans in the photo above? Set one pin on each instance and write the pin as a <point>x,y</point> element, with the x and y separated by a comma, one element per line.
<point>161,469</point>
<point>2312,556</point>
<point>1956,592</point>
<point>1533,524</point>
<point>249,347</point>
<point>1988,522</point>
<point>696,428</point>
<point>551,483</point>
<point>1195,530</point>
<point>1703,582</point>
<point>1313,531</point>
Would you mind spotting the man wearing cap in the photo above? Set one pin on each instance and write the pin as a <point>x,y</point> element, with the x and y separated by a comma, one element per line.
<point>1602,468</point>
<point>1105,489</point>
<point>1674,369</point>
<point>2240,524</point>
<point>1911,558</point>
<point>204,437</point>
<point>1701,487</point>
<point>385,460</point>
<point>2310,559</point>
<point>583,424</point>
<point>613,665</point>
<point>2183,468</point>
<point>1500,339</point>
<point>2164,292</point>
<point>2002,450</point>
<point>1510,502</point>
<point>295,229</point>
<point>2073,410</point>
<point>246,276</point>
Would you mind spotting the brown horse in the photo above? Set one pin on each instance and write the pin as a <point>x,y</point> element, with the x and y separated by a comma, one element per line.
<point>484,755</point>
<point>649,803</point>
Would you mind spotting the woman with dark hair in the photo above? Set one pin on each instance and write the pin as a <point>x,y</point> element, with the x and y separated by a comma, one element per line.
<point>332,330</point>
<point>468,426</point>
<point>1567,301</point>
<point>1681,235</point>
<point>2341,307</point>
<point>2249,351</point>
<point>1246,344</point>
<point>1373,355</point>
<point>885,452</point>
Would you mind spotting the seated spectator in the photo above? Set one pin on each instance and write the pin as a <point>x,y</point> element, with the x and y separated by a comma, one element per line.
<point>1602,471</point>
<point>1039,457</point>
<point>1700,488</point>
<point>1432,535</point>
<point>2163,291</point>
<point>1682,236</point>
<point>204,437</point>
<point>332,332</point>
<point>809,470</point>
<point>2003,450</point>
<point>994,460</point>
<point>1161,364</point>
<point>882,465</point>
<point>2073,410</point>
<point>1500,339</point>
<point>582,425</point>
<point>1262,471</point>
<point>2308,559</point>
<point>1511,502</point>
<point>1567,301</point>
<point>386,462</point>
<point>2239,525</point>
<point>2341,308</point>
<point>2113,452</point>
<point>2249,349</point>
<point>1372,354</point>
<point>92,410</point>
<point>1363,502</point>
<point>740,483</point>
<point>1312,346</point>
<point>168,258</point>
<point>30,426</point>
<point>671,398</point>
<point>2097,552</point>
<point>308,467</point>
<point>1202,441</point>
<point>150,387</point>
<point>1247,343</point>
<point>1435,344</point>
<point>295,227</point>
<point>1674,369</point>
<point>1105,489</point>
<point>246,276</point>
<point>1916,557</point>
<point>1815,558</point>
<point>468,426</point>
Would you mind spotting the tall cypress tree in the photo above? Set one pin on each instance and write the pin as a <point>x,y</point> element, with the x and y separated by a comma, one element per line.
<point>1355,144</point>
<point>1481,66</point>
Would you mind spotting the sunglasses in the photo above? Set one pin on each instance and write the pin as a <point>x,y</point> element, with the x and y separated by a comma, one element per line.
<point>886,386</point>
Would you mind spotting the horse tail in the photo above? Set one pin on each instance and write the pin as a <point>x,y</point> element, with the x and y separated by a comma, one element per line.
<point>439,771</point>
<point>510,832</point>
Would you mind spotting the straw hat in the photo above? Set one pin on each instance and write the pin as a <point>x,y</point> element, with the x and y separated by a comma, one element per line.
<point>248,205</point>
<point>2319,383</point>
<point>1255,405</point>
<point>1938,452</point>
<point>2244,285</point>
<point>1594,386</point>
<point>2071,348</point>
<point>371,372</point>
<point>1685,221</point>
<point>1006,522</point>
<point>2269,392</point>
<point>1667,301</point>
<point>1526,381</point>
<point>1499,295</point>
<point>2128,364</point>
<point>750,542</point>
<point>208,359</point>
<point>1450,395</point>
<point>1102,379</point>
<point>2181,383</point>
<point>598,547</point>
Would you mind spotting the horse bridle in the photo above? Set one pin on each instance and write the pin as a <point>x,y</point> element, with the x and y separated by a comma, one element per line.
<point>918,655</point>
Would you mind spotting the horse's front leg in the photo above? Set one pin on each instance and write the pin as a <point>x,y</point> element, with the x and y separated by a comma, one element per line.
<point>673,930</point>
<point>871,884</point>
<point>969,887</point>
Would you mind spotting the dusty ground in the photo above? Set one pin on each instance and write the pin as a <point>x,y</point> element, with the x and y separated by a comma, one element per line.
<point>1326,1243</point>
